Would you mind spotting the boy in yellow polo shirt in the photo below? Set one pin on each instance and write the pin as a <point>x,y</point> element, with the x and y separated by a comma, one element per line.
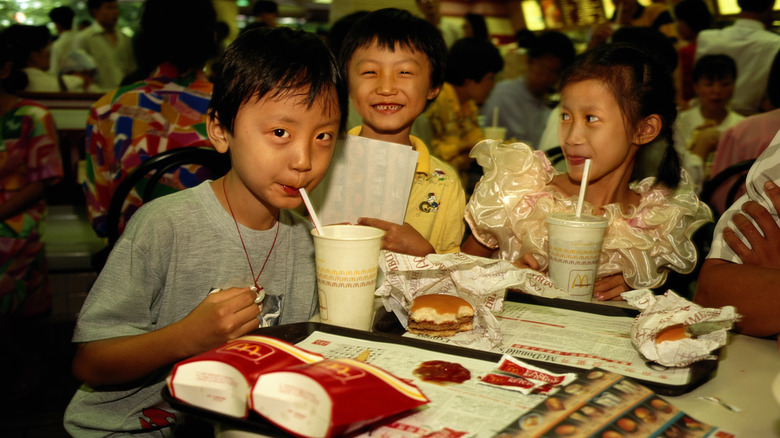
<point>394,64</point>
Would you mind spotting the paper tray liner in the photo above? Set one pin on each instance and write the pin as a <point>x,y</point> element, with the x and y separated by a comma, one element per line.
<point>294,333</point>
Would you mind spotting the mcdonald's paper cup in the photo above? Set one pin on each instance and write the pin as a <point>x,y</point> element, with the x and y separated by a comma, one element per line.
<point>494,132</point>
<point>574,247</point>
<point>347,259</point>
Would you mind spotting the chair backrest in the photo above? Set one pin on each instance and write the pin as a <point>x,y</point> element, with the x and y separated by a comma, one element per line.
<point>731,179</point>
<point>157,166</point>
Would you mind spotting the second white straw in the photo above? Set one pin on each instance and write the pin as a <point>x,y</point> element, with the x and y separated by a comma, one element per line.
<point>583,186</point>
<point>309,207</point>
<point>495,117</point>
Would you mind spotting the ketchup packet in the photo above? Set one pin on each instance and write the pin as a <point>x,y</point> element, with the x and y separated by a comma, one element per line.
<point>516,375</point>
<point>220,379</point>
<point>331,397</point>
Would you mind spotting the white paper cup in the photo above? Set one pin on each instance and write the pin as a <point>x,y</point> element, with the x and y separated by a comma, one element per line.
<point>347,259</point>
<point>494,132</point>
<point>574,247</point>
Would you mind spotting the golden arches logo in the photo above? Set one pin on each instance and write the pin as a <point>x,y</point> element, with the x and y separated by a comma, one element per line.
<point>579,280</point>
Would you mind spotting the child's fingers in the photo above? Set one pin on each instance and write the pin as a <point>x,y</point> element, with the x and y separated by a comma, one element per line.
<point>376,223</point>
<point>736,244</point>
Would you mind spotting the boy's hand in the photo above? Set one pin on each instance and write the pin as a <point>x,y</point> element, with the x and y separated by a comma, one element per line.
<point>764,248</point>
<point>403,239</point>
<point>221,317</point>
<point>610,288</point>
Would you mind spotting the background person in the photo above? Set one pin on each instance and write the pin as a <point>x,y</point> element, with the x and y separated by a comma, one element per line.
<point>751,46</point>
<point>110,48</point>
<point>165,109</point>
<point>472,65</point>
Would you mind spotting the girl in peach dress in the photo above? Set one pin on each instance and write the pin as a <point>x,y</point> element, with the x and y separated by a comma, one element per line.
<point>615,99</point>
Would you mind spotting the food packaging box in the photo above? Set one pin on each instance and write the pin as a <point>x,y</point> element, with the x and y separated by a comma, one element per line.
<point>332,397</point>
<point>220,380</point>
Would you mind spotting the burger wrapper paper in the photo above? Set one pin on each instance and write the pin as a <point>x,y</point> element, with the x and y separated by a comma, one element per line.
<point>707,328</point>
<point>480,281</point>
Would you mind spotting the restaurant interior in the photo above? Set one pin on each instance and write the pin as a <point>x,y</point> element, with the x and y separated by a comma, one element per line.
<point>41,395</point>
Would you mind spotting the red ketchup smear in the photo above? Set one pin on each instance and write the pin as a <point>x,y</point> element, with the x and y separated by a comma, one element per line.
<point>441,371</point>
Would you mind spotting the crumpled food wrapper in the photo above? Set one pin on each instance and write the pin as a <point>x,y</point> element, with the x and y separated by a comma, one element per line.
<point>480,281</point>
<point>708,327</point>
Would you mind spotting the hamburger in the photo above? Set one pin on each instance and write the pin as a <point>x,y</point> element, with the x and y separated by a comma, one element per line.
<point>440,315</point>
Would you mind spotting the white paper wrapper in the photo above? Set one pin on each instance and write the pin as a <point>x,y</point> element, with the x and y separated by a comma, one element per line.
<point>708,327</point>
<point>480,281</point>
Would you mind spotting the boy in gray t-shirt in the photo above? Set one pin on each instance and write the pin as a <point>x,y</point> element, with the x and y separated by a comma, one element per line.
<point>278,107</point>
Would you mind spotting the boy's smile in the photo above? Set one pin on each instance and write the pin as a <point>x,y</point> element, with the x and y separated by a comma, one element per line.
<point>389,89</point>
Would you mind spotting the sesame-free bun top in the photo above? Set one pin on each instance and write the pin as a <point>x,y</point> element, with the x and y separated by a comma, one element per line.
<point>440,309</point>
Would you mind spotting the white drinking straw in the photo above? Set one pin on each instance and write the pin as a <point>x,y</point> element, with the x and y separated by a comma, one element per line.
<point>495,117</point>
<point>583,185</point>
<point>313,215</point>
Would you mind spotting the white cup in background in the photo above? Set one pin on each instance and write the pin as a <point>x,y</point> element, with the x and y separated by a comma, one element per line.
<point>347,259</point>
<point>494,132</point>
<point>574,247</point>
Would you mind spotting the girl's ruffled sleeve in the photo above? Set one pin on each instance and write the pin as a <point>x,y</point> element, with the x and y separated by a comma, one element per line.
<point>510,202</point>
<point>656,237</point>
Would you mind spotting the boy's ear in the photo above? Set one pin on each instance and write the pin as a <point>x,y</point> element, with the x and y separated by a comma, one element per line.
<point>433,92</point>
<point>217,134</point>
<point>649,128</point>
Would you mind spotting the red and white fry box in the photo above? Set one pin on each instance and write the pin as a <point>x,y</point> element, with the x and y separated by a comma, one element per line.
<point>220,379</point>
<point>331,397</point>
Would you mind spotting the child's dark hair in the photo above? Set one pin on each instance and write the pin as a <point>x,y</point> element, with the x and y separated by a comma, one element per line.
<point>478,26</point>
<point>552,43</point>
<point>472,58</point>
<point>186,42</point>
<point>392,27</point>
<point>17,79</point>
<point>63,16</point>
<point>275,62</point>
<point>642,86</point>
<point>695,14</point>
<point>715,67</point>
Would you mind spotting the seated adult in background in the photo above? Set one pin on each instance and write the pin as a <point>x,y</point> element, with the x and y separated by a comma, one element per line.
<point>701,126</point>
<point>749,138</point>
<point>751,46</point>
<point>748,277</point>
<point>521,103</point>
<point>471,70</point>
<point>32,50</point>
<point>62,17</point>
<point>166,110</point>
<point>110,48</point>
<point>693,16</point>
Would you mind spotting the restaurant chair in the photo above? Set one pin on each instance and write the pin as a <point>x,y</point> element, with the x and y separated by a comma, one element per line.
<point>152,170</point>
<point>555,155</point>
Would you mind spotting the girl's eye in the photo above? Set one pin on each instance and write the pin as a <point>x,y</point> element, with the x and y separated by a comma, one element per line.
<point>565,117</point>
<point>405,72</point>
<point>591,119</point>
<point>369,72</point>
<point>281,133</point>
<point>325,136</point>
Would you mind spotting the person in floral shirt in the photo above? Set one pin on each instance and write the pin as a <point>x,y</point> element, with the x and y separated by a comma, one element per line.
<point>164,110</point>
<point>29,162</point>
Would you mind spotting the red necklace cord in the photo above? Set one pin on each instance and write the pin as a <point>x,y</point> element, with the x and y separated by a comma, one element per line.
<point>259,288</point>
